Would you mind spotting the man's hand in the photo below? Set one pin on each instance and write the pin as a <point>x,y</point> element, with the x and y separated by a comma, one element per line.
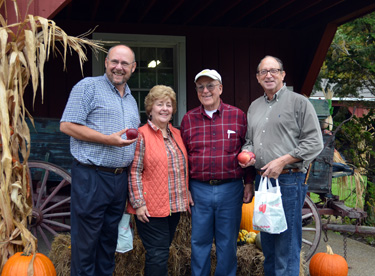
<point>87,134</point>
<point>275,167</point>
<point>115,139</point>
<point>248,193</point>
<point>250,163</point>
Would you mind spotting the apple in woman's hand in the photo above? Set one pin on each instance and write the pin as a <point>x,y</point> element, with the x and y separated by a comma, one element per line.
<point>131,133</point>
<point>245,156</point>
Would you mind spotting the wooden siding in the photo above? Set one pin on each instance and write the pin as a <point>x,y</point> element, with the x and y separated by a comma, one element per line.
<point>234,53</point>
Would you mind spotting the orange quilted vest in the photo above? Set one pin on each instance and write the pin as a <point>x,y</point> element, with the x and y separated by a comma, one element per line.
<point>155,172</point>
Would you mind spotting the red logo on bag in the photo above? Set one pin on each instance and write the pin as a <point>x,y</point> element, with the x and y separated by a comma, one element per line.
<point>262,208</point>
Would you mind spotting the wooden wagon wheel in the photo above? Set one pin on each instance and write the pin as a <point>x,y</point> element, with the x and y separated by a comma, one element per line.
<point>50,186</point>
<point>311,228</point>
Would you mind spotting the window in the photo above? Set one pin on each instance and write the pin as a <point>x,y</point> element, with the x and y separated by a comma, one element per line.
<point>160,60</point>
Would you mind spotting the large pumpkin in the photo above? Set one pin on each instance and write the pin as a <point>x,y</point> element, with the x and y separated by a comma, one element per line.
<point>328,264</point>
<point>247,217</point>
<point>17,265</point>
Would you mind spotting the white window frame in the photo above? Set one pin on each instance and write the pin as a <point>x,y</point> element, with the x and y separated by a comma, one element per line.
<point>136,40</point>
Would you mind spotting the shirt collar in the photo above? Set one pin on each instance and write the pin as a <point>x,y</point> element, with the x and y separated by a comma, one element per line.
<point>155,128</point>
<point>277,94</point>
<point>127,89</point>
<point>219,109</point>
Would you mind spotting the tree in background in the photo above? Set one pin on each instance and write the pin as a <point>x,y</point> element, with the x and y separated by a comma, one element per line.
<point>349,66</point>
<point>349,69</point>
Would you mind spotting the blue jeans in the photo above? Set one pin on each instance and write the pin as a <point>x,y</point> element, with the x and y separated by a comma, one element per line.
<point>216,214</point>
<point>282,251</point>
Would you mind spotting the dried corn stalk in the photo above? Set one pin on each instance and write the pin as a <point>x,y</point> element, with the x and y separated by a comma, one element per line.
<point>24,48</point>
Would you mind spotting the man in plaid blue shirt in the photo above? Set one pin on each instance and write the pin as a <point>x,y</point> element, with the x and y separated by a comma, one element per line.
<point>213,134</point>
<point>98,112</point>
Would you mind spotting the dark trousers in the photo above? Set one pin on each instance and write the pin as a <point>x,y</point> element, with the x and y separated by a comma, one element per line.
<point>157,236</point>
<point>97,204</point>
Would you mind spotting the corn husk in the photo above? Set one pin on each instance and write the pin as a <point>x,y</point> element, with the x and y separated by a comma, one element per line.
<point>24,48</point>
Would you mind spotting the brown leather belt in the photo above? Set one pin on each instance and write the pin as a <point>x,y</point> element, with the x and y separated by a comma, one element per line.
<point>104,169</point>
<point>214,182</point>
<point>293,170</point>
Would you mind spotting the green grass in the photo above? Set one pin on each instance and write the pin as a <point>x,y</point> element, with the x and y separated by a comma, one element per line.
<point>347,194</point>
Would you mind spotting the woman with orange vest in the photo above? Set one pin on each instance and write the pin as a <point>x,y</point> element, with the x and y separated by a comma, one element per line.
<point>158,180</point>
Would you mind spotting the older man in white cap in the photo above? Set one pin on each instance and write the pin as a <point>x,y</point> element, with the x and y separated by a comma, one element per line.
<point>213,134</point>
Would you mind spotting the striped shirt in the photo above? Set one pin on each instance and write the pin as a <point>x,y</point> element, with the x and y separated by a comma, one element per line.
<point>214,143</point>
<point>176,174</point>
<point>96,103</point>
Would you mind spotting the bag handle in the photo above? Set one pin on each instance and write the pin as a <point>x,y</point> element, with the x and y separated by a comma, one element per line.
<point>263,184</point>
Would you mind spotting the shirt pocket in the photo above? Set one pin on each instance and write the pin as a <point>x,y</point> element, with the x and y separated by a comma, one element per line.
<point>231,141</point>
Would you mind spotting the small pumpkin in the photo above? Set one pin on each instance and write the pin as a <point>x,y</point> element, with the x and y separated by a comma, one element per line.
<point>247,217</point>
<point>328,264</point>
<point>17,265</point>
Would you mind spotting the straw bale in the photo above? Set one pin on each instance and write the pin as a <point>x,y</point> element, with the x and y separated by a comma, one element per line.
<point>250,258</point>
<point>60,254</point>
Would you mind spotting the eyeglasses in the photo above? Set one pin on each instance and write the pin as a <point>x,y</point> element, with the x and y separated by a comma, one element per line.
<point>273,71</point>
<point>210,87</point>
<point>115,62</point>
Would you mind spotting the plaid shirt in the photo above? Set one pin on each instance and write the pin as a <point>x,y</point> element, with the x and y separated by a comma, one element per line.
<point>214,143</point>
<point>95,102</point>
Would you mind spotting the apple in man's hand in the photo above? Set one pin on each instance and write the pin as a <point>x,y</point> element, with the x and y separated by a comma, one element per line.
<point>245,156</point>
<point>131,133</point>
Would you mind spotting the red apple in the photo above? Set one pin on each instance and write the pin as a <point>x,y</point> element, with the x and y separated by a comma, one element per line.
<point>245,156</point>
<point>131,133</point>
<point>252,155</point>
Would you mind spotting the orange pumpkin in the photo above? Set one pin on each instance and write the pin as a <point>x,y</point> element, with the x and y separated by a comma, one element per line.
<point>247,217</point>
<point>17,265</point>
<point>328,264</point>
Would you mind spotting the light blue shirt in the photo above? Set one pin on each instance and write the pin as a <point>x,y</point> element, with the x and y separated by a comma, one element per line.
<point>96,103</point>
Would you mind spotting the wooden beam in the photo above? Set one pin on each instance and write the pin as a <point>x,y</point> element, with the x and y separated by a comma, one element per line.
<point>270,12</point>
<point>319,57</point>
<point>44,8</point>
<point>295,11</point>
<point>224,10</point>
<point>146,10</point>
<point>246,12</point>
<point>95,9</point>
<point>172,9</point>
<point>201,8</point>
<point>122,11</point>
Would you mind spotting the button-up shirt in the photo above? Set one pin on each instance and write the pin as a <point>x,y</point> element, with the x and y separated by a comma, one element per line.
<point>96,103</point>
<point>214,143</point>
<point>176,173</point>
<point>287,124</point>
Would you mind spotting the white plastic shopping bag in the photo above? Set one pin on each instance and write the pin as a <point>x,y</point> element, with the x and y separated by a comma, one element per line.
<point>269,213</point>
<point>125,235</point>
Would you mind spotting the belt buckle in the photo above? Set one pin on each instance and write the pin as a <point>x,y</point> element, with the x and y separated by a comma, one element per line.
<point>213,181</point>
<point>118,170</point>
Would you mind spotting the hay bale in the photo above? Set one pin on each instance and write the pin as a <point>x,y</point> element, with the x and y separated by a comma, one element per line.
<point>60,254</point>
<point>250,259</point>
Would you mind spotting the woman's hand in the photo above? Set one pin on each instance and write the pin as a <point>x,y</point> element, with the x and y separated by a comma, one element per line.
<point>142,214</point>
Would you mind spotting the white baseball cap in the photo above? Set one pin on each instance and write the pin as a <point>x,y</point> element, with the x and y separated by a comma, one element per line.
<point>213,74</point>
